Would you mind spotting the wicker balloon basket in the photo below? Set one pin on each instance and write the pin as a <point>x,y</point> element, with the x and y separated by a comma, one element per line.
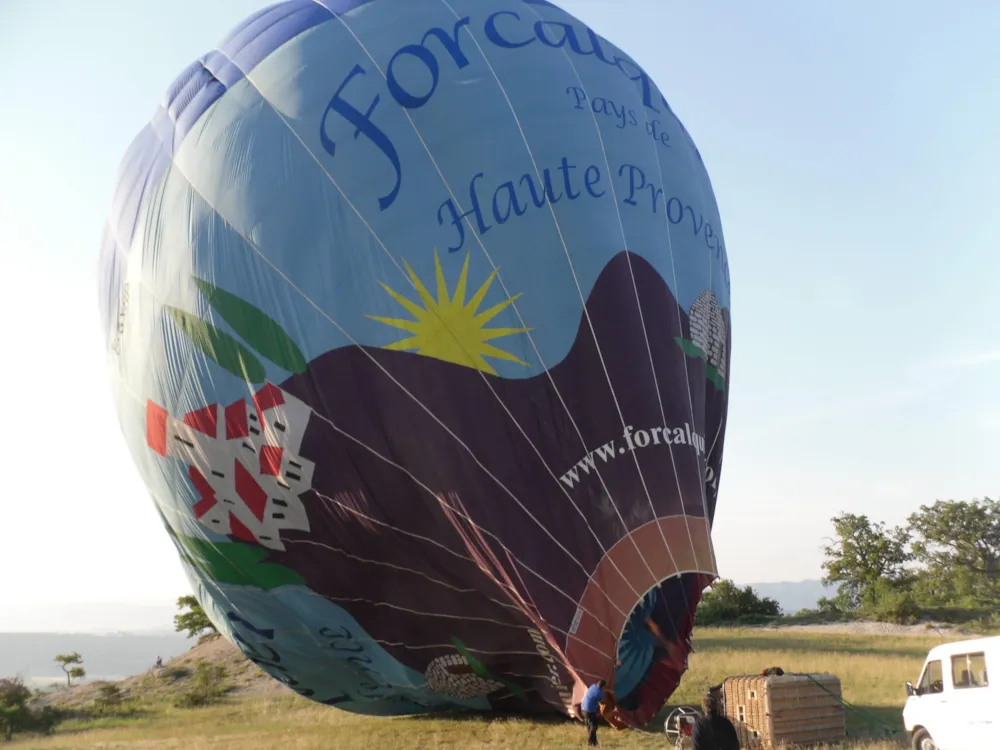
<point>785,711</point>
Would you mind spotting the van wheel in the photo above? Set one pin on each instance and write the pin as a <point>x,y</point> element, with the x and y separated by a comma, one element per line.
<point>922,740</point>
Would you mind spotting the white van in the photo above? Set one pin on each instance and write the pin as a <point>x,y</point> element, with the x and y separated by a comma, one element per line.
<point>953,706</point>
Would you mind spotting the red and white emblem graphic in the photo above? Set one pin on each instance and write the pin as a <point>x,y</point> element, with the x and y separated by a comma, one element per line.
<point>244,462</point>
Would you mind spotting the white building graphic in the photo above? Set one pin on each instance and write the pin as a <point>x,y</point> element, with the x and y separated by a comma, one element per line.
<point>452,676</point>
<point>244,461</point>
<point>708,330</point>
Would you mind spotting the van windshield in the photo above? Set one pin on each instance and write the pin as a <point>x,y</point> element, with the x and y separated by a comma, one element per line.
<point>932,680</point>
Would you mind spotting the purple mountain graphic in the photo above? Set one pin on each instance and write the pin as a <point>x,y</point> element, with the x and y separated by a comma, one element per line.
<point>491,446</point>
<point>448,504</point>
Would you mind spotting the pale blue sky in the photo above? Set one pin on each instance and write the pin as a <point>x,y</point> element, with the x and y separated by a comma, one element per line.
<point>855,154</point>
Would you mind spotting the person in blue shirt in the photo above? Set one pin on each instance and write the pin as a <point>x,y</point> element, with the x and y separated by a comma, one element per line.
<point>589,707</point>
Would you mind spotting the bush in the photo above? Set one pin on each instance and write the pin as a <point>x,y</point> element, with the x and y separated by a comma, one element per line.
<point>109,696</point>
<point>885,602</point>
<point>111,701</point>
<point>983,624</point>
<point>44,720</point>
<point>209,685</point>
<point>191,699</point>
<point>16,716</point>
<point>13,692</point>
<point>829,606</point>
<point>173,673</point>
<point>728,604</point>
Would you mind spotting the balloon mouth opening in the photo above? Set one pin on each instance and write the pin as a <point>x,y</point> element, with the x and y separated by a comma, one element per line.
<point>658,621</point>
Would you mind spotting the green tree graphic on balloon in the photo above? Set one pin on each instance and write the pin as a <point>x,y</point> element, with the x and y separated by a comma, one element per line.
<point>462,675</point>
<point>261,332</point>
<point>234,563</point>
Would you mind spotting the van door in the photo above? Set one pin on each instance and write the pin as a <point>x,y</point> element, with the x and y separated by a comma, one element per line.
<point>931,704</point>
<point>972,709</point>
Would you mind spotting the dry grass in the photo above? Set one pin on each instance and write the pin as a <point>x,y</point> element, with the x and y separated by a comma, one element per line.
<point>873,670</point>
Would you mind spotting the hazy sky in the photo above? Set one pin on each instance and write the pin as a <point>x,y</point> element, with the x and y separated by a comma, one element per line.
<point>854,148</point>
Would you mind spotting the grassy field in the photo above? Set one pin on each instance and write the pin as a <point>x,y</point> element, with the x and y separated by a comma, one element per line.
<point>872,669</point>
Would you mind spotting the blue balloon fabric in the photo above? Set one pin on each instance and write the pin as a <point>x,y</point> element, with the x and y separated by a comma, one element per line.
<point>417,319</point>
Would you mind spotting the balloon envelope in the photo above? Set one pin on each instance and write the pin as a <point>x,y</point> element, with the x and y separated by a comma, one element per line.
<point>417,318</point>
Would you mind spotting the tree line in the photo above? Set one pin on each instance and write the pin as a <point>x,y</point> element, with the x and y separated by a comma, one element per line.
<point>943,563</point>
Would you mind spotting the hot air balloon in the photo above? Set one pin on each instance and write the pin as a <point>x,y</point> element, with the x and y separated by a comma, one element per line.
<point>417,322</point>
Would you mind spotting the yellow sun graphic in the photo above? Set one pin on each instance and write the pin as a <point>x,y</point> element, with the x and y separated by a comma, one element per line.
<point>449,328</point>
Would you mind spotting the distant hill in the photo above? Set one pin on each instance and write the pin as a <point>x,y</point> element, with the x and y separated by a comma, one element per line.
<point>110,657</point>
<point>243,678</point>
<point>794,595</point>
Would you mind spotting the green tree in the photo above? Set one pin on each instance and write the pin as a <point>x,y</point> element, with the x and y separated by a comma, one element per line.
<point>14,714</point>
<point>13,719</point>
<point>725,602</point>
<point>892,601</point>
<point>67,662</point>
<point>828,606</point>
<point>958,544</point>
<point>865,558</point>
<point>194,621</point>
